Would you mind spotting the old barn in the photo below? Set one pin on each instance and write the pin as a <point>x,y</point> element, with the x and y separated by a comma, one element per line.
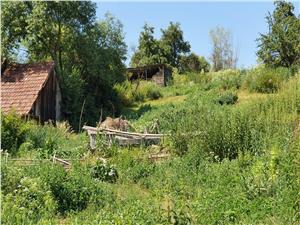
<point>159,73</point>
<point>31,90</point>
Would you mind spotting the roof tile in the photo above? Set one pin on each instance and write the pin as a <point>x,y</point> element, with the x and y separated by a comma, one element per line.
<point>20,85</point>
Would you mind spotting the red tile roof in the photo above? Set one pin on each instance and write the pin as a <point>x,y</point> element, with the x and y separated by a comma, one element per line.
<point>20,85</point>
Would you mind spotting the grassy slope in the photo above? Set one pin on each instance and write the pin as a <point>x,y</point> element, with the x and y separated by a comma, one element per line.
<point>185,190</point>
<point>213,196</point>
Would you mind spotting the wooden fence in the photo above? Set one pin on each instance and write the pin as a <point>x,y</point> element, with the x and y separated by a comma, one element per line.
<point>122,138</point>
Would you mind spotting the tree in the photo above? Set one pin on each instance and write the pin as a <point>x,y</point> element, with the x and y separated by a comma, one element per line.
<point>173,44</point>
<point>223,56</point>
<point>193,63</point>
<point>168,49</point>
<point>88,55</point>
<point>148,51</point>
<point>281,45</point>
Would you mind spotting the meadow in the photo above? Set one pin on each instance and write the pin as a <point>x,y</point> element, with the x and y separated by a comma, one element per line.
<point>234,141</point>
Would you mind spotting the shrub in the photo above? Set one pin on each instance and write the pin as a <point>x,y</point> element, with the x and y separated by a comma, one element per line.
<point>104,172</point>
<point>124,92</point>
<point>227,98</point>
<point>226,79</point>
<point>44,138</point>
<point>74,190</point>
<point>266,80</point>
<point>10,177</point>
<point>78,190</point>
<point>13,132</point>
<point>129,93</point>
<point>30,202</point>
<point>48,140</point>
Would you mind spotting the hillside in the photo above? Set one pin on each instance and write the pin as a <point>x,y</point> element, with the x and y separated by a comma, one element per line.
<point>234,159</point>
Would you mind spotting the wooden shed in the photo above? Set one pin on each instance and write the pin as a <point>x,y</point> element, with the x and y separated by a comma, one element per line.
<point>158,73</point>
<point>31,90</point>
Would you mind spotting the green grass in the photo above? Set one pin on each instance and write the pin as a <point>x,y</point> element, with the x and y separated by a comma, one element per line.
<point>230,164</point>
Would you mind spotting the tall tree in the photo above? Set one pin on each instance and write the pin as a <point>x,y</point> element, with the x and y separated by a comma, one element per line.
<point>281,45</point>
<point>223,55</point>
<point>148,51</point>
<point>173,44</point>
<point>193,63</point>
<point>88,55</point>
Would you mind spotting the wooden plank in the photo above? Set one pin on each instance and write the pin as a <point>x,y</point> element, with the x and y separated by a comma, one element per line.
<point>61,161</point>
<point>111,131</point>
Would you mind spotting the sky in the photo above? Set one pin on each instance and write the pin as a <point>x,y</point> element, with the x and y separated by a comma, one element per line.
<point>245,20</point>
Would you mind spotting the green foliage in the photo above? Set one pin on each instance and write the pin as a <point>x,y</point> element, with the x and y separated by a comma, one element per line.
<point>148,51</point>
<point>266,80</point>
<point>225,79</point>
<point>74,190</point>
<point>30,202</point>
<point>133,168</point>
<point>48,140</point>
<point>13,132</point>
<point>228,98</point>
<point>193,63</point>
<point>104,172</point>
<point>168,49</point>
<point>52,31</point>
<point>246,154</point>
<point>280,46</point>
<point>10,178</point>
<point>130,93</point>
<point>174,44</point>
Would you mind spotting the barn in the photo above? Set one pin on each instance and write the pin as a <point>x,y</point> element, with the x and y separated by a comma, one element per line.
<point>158,73</point>
<point>31,90</point>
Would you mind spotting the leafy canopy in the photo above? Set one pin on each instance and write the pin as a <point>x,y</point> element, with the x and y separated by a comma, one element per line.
<point>88,54</point>
<point>281,45</point>
<point>168,49</point>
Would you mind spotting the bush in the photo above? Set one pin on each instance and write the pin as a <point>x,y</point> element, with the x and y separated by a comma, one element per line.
<point>226,79</point>
<point>74,190</point>
<point>124,92</point>
<point>13,132</point>
<point>10,178</point>
<point>44,139</point>
<point>131,93</point>
<point>30,202</point>
<point>227,98</point>
<point>266,80</point>
<point>151,90</point>
<point>48,140</point>
<point>104,172</point>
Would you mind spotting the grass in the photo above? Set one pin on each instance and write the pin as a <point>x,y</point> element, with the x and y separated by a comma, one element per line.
<point>167,100</point>
<point>240,166</point>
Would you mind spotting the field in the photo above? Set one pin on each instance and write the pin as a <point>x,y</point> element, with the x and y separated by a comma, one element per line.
<point>234,145</point>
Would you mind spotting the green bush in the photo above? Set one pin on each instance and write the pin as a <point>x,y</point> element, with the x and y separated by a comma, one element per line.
<point>124,92</point>
<point>48,140</point>
<point>266,80</point>
<point>225,79</point>
<point>13,132</point>
<point>10,177</point>
<point>74,190</point>
<point>130,93</point>
<point>104,172</point>
<point>150,90</point>
<point>227,98</point>
<point>30,202</point>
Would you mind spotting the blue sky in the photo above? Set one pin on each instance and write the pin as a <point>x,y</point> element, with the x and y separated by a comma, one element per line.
<point>245,20</point>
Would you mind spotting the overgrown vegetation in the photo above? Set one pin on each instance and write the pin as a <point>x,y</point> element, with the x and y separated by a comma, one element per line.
<point>233,139</point>
<point>242,152</point>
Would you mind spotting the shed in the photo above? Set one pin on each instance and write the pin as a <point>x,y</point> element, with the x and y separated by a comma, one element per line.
<point>31,90</point>
<point>158,73</point>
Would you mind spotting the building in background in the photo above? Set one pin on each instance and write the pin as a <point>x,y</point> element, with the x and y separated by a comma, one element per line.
<point>31,90</point>
<point>159,74</point>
